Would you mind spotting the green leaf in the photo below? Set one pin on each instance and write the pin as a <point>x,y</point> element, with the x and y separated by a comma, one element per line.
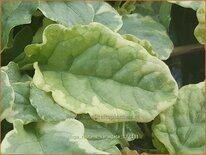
<point>21,109</point>
<point>148,29</point>
<point>7,95</point>
<point>48,138</point>
<point>15,13</point>
<point>98,136</point>
<point>106,15</point>
<point>113,150</point>
<point>21,39</point>
<point>144,43</point>
<point>200,29</point>
<point>46,107</point>
<point>159,11</point>
<point>181,128</point>
<point>188,4</point>
<point>125,8</point>
<point>160,147</point>
<point>12,70</point>
<point>105,76</point>
<point>126,150</point>
<point>37,38</point>
<point>105,136</point>
<point>73,13</point>
<point>67,13</point>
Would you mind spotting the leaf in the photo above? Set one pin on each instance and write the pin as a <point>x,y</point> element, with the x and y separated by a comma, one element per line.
<point>12,70</point>
<point>21,108</point>
<point>113,150</point>
<point>48,138</point>
<point>37,38</point>
<point>159,11</point>
<point>46,107</point>
<point>99,136</point>
<point>105,76</point>
<point>67,13</point>
<point>126,150</point>
<point>146,28</point>
<point>105,136</point>
<point>22,38</point>
<point>7,96</point>
<point>160,147</point>
<point>73,13</point>
<point>181,128</point>
<point>106,15</point>
<point>125,8</point>
<point>200,29</point>
<point>15,13</point>
<point>144,43</point>
<point>188,4</point>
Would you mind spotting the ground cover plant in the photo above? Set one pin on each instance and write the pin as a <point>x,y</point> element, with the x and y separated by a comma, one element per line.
<point>96,77</point>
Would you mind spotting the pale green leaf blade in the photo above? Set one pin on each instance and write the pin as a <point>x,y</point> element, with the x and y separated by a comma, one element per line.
<point>148,29</point>
<point>68,13</point>
<point>12,70</point>
<point>46,107</point>
<point>125,83</point>
<point>64,137</point>
<point>200,29</point>
<point>126,150</point>
<point>105,136</point>
<point>106,15</point>
<point>144,43</point>
<point>98,136</point>
<point>7,95</point>
<point>181,127</point>
<point>22,108</point>
<point>14,14</point>
<point>159,11</point>
<point>37,38</point>
<point>113,150</point>
<point>188,4</point>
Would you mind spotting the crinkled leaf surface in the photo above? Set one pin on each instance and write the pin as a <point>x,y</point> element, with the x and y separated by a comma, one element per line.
<point>181,128</point>
<point>15,13</point>
<point>46,107</point>
<point>21,109</point>
<point>200,29</point>
<point>106,15</point>
<point>105,136</point>
<point>105,76</point>
<point>7,95</point>
<point>48,138</point>
<point>146,28</point>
